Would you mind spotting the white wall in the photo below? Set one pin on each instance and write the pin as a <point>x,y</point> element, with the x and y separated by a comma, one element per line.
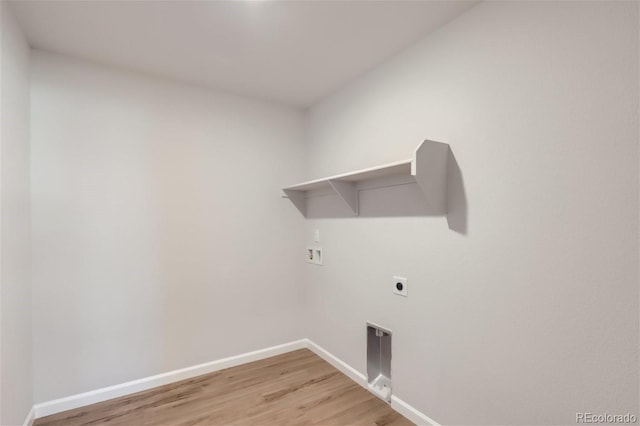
<point>15,287</point>
<point>531,314</point>
<point>159,237</point>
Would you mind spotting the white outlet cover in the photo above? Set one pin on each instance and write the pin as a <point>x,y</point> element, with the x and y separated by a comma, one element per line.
<point>314,255</point>
<point>316,235</point>
<point>400,282</point>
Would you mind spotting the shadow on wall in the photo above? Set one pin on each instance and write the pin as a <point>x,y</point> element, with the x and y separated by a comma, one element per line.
<point>456,197</point>
<point>397,197</point>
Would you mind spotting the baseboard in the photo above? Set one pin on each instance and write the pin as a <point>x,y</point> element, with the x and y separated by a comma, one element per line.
<point>31,417</point>
<point>110,392</point>
<point>397,404</point>
<point>104,394</point>
<point>345,368</point>
<point>411,413</point>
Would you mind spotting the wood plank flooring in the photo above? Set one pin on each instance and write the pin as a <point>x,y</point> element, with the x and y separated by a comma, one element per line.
<point>296,388</point>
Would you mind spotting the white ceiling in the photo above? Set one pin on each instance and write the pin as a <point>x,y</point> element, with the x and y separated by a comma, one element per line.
<point>296,52</point>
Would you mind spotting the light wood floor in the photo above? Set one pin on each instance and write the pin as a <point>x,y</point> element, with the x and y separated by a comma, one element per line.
<point>297,388</point>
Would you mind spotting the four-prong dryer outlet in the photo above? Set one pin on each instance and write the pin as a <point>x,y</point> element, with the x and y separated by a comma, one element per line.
<point>400,286</point>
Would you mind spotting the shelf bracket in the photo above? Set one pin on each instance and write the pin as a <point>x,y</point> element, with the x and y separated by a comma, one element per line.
<point>347,192</point>
<point>429,167</point>
<point>298,200</point>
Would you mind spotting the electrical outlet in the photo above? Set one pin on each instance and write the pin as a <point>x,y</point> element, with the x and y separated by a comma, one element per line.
<point>400,286</point>
<point>314,255</point>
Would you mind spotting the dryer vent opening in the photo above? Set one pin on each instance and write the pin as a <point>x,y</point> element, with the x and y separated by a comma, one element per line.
<point>379,361</point>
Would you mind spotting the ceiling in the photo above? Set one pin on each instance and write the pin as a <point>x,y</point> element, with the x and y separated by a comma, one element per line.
<point>294,52</point>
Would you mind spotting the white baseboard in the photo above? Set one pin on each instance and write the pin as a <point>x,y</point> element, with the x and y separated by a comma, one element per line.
<point>31,417</point>
<point>411,413</point>
<point>345,368</point>
<point>110,392</point>
<point>103,394</point>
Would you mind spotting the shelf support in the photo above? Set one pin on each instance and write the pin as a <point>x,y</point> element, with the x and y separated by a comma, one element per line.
<point>298,199</point>
<point>429,167</point>
<point>347,192</point>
